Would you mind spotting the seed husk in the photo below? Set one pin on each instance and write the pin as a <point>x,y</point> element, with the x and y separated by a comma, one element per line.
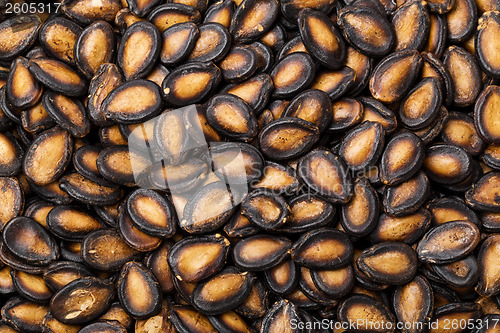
<point>321,249</point>
<point>120,165</point>
<point>460,130</point>
<point>256,91</point>
<point>180,87</point>
<point>95,252</point>
<point>321,38</point>
<point>17,34</point>
<point>414,302</point>
<point>360,215</point>
<point>138,291</point>
<point>155,324</point>
<point>489,279</point>
<point>252,19</point>
<point>222,292</point>
<point>292,74</point>
<point>287,138</point>
<point>448,242</point>
<point>212,44</point>
<point>48,156</point>
<point>326,175</point>
<point>67,304</point>
<point>466,81</point>
<point>260,252</point>
<point>394,75</point>
<point>58,76</point>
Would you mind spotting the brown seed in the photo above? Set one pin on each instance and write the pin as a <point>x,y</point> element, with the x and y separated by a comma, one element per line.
<point>52,325</point>
<point>265,209</point>
<point>48,156</point>
<point>280,316</point>
<point>306,212</point>
<point>362,146</point>
<point>142,8</point>
<point>86,11</point>
<point>377,112</point>
<point>190,83</point>
<point>366,310</point>
<point>448,242</point>
<point>67,304</point>
<point>178,42</point>
<point>454,311</point>
<point>360,215</point>
<point>121,165</point>
<point>367,30</point>
<point>220,12</point>
<point>85,162</point>
<point>223,292</point>
<point>287,138</point>
<point>94,47</point>
<point>414,302</point>
<point>96,254</point>
<point>195,259</point>
<point>313,106</point>
<point>31,286</point>
<point>335,83</point>
<point>36,119</point>
<point>22,89</point>
<point>461,21</point>
<point>69,113</point>
<point>260,252</point>
<point>335,283</point>
<point>324,248</point>
<point>321,38</point>
<point>447,164</point>
<point>104,326</point>
<point>282,278</point>
<point>86,191</point>
<point>58,274</point>
<point>58,37</point>
<point>436,40</point>
<point>17,34</point>
<point>134,237</point>
<point>488,26</point>
<point>486,114</point>
<point>489,279</point>
<point>107,78</point>
<point>167,15</point>
<point>462,273</point>
<point>325,175</point>
<point>411,23</point>
<point>394,75</point>
<point>466,80</point>
<point>485,193</point>
<point>451,209</point>
<point>252,19</point>
<point>278,178</point>
<point>292,74</point>
<point>491,156</point>
<point>23,315</point>
<point>58,76</point>
<point>187,319</point>
<point>30,242</point>
<point>212,44</point>
<point>159,323</point>
<point>407,229</point>
<point>72,222</point>
<point>347,112</point>
<point>10,156</point>
<point>407,197</point>
<point>232,117</point>
<point>138,291</point>
<point>239,63</point>
<point>179,178</point>
<point>306,284</point>
<point>256,91</point>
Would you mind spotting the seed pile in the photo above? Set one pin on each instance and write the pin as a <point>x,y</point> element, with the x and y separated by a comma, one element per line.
<point>369,135</point>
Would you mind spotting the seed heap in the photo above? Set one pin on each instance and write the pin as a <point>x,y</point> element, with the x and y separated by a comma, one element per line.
<point>369,132</point>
